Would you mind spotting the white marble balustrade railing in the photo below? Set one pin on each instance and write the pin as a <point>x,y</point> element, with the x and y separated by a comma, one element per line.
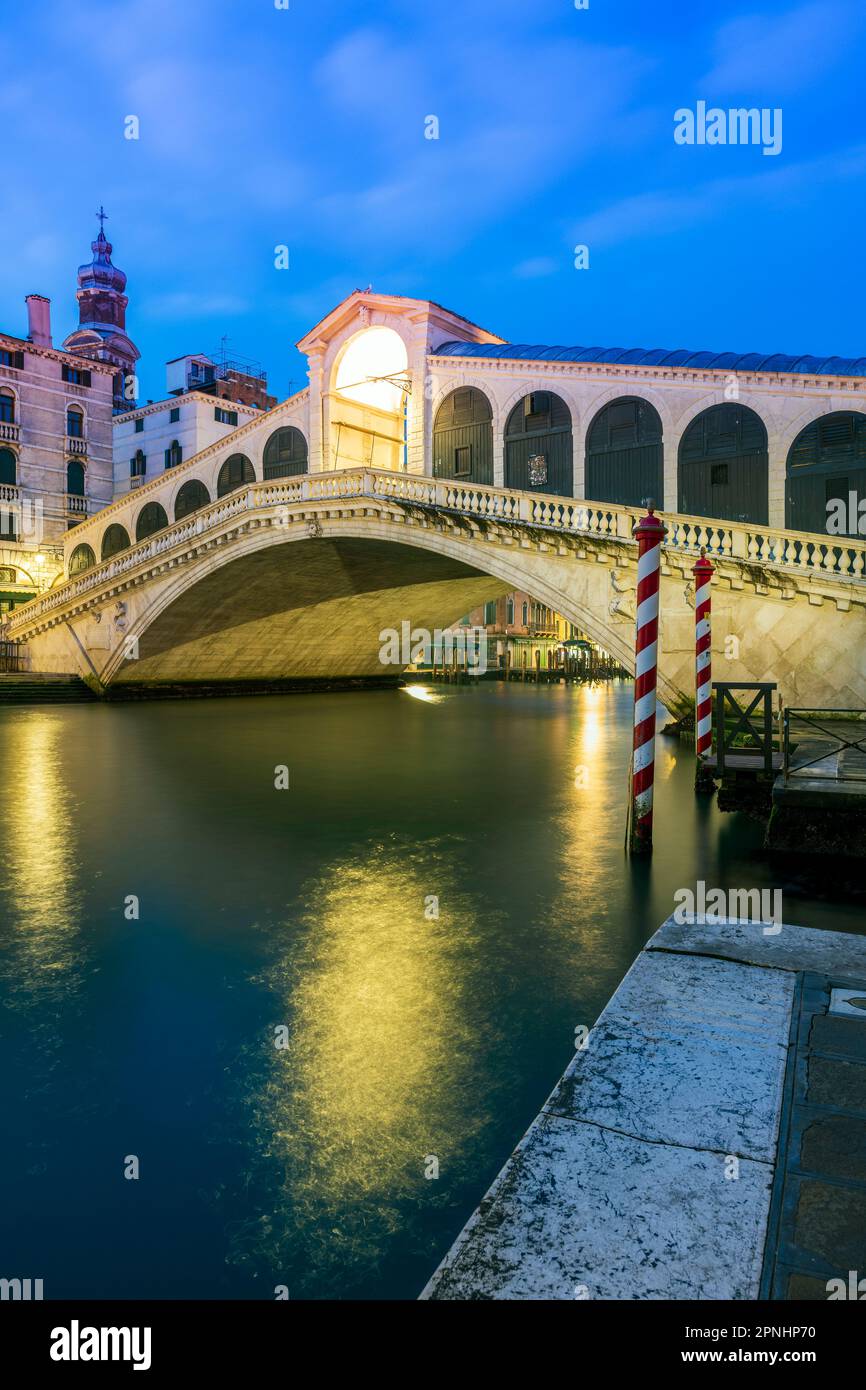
<point>838,557</point>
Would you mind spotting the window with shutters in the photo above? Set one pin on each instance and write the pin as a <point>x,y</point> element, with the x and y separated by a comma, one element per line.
<point>463,461</point>
<point>137,465</point>
<point>7,408</point>
<point>9,358</point>
<point>76,376</point>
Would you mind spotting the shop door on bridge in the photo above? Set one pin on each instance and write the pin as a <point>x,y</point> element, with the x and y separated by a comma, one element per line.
<point>538,451</point>
<point>826,464</point>
<point>723,466</point>
<point>624,454</point>
<point>463,437</point>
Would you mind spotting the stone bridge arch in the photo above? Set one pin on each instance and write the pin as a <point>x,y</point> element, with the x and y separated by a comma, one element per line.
<point>443,586</point>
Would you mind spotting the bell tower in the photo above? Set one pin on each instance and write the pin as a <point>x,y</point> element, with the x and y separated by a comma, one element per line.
<point>101,332</point>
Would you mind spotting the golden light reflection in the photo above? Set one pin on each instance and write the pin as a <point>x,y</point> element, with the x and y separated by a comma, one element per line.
<point>37,858</point>
<point>374,1079</point>
<point>423,692</point>
<point>598,760</point>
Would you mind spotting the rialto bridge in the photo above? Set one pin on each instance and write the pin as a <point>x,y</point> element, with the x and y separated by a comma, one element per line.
<point>430,467</point>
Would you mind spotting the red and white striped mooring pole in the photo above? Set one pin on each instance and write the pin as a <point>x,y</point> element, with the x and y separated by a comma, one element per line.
<point>649,534</point>
<point>703,572</point>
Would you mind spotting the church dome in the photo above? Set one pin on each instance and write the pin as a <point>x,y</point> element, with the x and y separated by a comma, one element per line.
<point>100,273</point>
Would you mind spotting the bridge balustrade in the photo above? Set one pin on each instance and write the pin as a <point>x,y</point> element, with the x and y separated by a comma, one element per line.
<point>752,544</point>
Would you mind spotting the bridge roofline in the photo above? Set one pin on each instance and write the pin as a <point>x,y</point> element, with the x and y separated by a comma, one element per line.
<point>679,364</point>
<point>348,308</point>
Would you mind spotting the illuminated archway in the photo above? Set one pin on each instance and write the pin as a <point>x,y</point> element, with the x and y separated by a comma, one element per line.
<point>371,385</point>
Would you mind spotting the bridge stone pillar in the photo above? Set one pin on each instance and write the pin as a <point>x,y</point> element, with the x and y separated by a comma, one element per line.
<point>419,420</point>
<point>498,446</point>
<point>316,441</point>
<point>668,503</point>
<point>579,428</point>
<point>776,481</point>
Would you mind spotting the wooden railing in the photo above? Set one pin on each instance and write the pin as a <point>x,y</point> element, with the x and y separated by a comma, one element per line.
<point>744,729</point>
<point>759,545</point>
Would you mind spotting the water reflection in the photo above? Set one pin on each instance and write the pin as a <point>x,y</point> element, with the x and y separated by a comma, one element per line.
<point>370,1094</point>
<point>411,1035</point>
<point>42,901</point>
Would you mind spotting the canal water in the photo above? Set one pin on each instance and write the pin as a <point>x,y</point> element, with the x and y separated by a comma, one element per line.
<point>428,912</point>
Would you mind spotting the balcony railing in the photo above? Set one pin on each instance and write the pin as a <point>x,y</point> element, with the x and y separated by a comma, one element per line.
<point>76,503</point>
<point>75,444</point>
<point>9,431</point>
<point>9,493</point>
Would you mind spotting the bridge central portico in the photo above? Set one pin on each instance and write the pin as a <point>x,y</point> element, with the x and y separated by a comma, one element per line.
<point>297,577</point>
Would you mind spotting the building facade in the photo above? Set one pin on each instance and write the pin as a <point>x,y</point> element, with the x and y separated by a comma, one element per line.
<point>161,434</point>
<point>407,385</point>
<point>765,439</point>
<point>55,452</point>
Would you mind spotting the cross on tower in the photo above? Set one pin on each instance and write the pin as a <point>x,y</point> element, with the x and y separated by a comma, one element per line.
<point>103,217</point>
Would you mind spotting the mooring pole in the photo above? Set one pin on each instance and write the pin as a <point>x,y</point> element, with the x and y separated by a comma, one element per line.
<point>649,534</point>
<point>703,572</point>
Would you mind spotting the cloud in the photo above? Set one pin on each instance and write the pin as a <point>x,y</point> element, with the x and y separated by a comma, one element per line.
<point>497,148</point>
<point>772,54</point>
<point>537,267</point>
<point>659,213</point>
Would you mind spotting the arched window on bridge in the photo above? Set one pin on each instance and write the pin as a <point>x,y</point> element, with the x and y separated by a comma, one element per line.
<point>463,437</point>
<point>114,540</point>
<point>151,518</point>
<point>625,454</point>
<point>235,472</point>
<point>191,496</point>
<point>538,449</point>
<point>827,462</point>
<point>81,559</point>
<point>285,454</point>
<point>724,465</point>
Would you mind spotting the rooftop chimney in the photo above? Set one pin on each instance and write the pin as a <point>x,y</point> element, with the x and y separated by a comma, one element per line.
<point>38,319</point>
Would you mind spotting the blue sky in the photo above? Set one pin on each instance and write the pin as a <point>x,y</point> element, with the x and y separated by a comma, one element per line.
<point>305,127</point>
